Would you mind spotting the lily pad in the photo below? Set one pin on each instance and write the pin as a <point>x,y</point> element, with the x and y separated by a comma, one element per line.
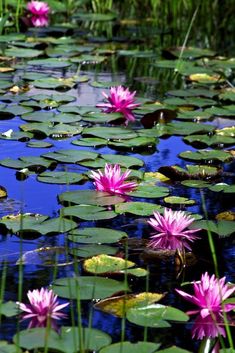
<point>221,227</point>
<point>207,155</point>
<point>90,142</point>
<point>88,212</point>
<point>71,156</point>
<point>96,235</point>
<point>68,341</point>
<point>214,140</point>
<point>127,347</point>
<point>23,52</point>
<point>190,172</point>
<point>147,191</point>
<point>60,178</point>
<point>123,161</point>
<point>89,197</point>
<point>49,129</point>
<point>223,187</point>
<point>137,208</point>
<point>178,200</point>
<point>105,264</point>
<point>155,315</point>
<point>90,250</point>
<point>50,63</point>
<point>36,223</point>
<point>88,287</point>
<point>8,309</point>
<point>116,133</point>
<point>119,305</point>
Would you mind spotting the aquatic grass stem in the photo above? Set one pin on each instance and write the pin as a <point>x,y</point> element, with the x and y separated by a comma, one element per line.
<point>3,286</point>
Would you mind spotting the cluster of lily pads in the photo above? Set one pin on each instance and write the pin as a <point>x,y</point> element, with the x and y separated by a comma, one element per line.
<point>38,120</point>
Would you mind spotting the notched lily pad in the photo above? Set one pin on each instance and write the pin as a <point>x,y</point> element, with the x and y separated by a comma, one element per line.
<point>119,305</point>
<point>8,309</point>
<point>212,140</point>
<point>96,235</point>
<point>137,208</point>
<point>60,178</point>
<point>89,197</point>
<point>49,129</point>
<point>88,287</point>
<point>178,200</point>
<point>203,172</point>
<point>36,223</point>
<point>147,191</point>
<point>207,155</point>
<point>127,347</point>
<point>71,156</point>
<point>221,227</point>
<point>88,212</point>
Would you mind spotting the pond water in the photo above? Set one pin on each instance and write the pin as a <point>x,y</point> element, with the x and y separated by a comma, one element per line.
<point>33,258</point>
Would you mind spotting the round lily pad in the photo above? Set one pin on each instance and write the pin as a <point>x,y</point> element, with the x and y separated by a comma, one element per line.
<point>96,235</point>
<point>60,178</point>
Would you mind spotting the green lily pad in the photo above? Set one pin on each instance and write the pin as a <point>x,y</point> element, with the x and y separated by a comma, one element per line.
<point>138,142</point>
<point>177,200</point>
<point>36,223</point>
<point>6,38</point>
<point>155,315</point>
<point>96,235</point>
<point>17,110</point>
<point>71,156</point>
<point>16,135</point>
<point>60,178</point>
<point>88,59</point>
<point>67,341</point>
<point>90,142</point>
<point>195,115</point>
<point>115,133</point>
<point>190,52</point>
<point>8,309</point>
<point>95,16</point>
<point>148,191</point>
<point>39,144</point>
<point>65,118</point>
<point>99,118</point>
<point>6,347</point>
<point>195,183</point>
<point>104,84</point>
<point>137,208</point>
<point>221,227</point>
<point>90,250</point>
<point>37,164</point>
<point>226,131</point>
<point>190,172</point>
<point>123,161</point>
<point>127,347</point>
<point>87,287</point>
<point>223,187</point>
<point>182,128</point>
<point>193,92</point>
<point>54,83</point>
<point>214,140</point>
<point>89,197</point>
<point>88,212</point>
<point>207,155</point>
<point>50,63</point>
<point>228,111</point>
<point>23,52</point>
<point>49,129</point>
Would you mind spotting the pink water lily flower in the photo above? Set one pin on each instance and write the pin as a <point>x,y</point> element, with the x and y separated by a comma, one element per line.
<point>120,100</point>
<point>43,308</point>
<point>209,295</point>
<point>171,230</point>
<point>39,21</point>
<point>112,181</point>
<point>38,8</point>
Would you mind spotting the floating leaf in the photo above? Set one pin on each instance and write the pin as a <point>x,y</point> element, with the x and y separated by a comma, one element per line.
<point>39,144</point>
<point>127,347</point>
<point>93,250</point>
<point>110,132</point>
<point>90,197</point>
<point>96,235</point>
<point>147,191</point>
<point>137,208</point>
<point>221,227</point>
<point>36,223</point>
<point>90,142</point>
<point>8,309</point>
<point>88,212</point>
<point>68,341</point>
<point>105,264</point>
<point>207,155</point>
<point>223,187</point>
<point>23,52</point>
<point>71,156</point>
<point>205,140</point>
<point>118,306</point>
<point>50,63</point>
<point>177,200</point>
<point>3,192</point>
<point>49,129</point>
<point>190,172</point>
<point>88,287</point>
<point>195,183</point>
<point>45,256</point>
<point>155,315</point>
<point>123,161</point>
<point>60,178</point>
